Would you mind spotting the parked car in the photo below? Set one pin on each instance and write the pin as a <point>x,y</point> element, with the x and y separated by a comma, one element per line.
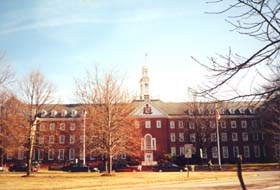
<point>76,168</point>
<point>127,168</point>
<point>22,167</point>
<point>1,168</point>
<point>169,167</point>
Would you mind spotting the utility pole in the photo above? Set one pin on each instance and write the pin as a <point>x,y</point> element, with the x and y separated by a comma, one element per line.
<point>84,138</point>
<point>218,117</point>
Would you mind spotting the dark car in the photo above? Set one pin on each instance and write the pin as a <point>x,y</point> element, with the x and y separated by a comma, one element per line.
<point>127,168</point>
<point>76,168</point>
<point>169,167</point>
<point>22,167</point>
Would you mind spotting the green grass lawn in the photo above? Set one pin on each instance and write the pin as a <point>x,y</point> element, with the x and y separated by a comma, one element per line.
<point>44,180</point>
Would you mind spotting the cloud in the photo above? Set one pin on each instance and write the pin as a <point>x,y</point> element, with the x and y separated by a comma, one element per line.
<point>54,14</point>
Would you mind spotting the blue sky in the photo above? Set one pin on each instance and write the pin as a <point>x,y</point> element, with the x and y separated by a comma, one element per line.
<point>64,38</point>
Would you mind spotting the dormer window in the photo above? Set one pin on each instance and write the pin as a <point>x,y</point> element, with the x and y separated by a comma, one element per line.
<point>231,111</point>
<point>211,111</point>
<point>63,113</point>
<point>222,111</point>
<point>190,112</point>
<point>44,113</point>
<point>73,113</point>
<point>53,113</point>
<point>242,110</point>
<point>252,110</point>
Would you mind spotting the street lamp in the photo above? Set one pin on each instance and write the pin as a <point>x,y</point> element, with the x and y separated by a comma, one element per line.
<point>84,138</point>
<point>218,117</point>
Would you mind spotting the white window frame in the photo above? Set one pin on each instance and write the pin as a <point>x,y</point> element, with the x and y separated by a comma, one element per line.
<point>212,124</point>
<point>223,124</point>
<point>192,137</point>
<point>224,137</point>
<point>181,137</point>
<point>225,152</point>
<point>51,139</point>
<point>173,151</point>
<point>42,127</point>
<point>158,123</point>
<point>235,151</point>
<point>63,113</point>
<point>182,151</point>
<point>71,153</point>
<point>214,151</point>
<point>72,126</point>
<point>62,126</point>
<point>61,139</point>
<point>191,125</point>
<point>172,124</point>
<point>234,137</point>
<point>73,113</point>
<point>213,137</point>
<point>61,154</point>
<point>147,124</point>
<point>51,154</point>
<point>246,150</point>
<point>40,154</point>
<point>172,137</point>
<point>245,136</point>
<point>243,124</point>
<point>72,139</point>
<point>233,124</point>
<point>180,124</point>
<point>52,126</point>
<point>41,140</point>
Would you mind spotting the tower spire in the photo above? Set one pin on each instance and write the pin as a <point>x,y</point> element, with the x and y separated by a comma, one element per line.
<point>144,82</point>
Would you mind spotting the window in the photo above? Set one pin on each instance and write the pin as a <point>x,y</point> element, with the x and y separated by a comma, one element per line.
<point>233,124</point>
<point>172,137</point>
<point>53,113</point>
<point>73,113</point>
<point>52,126</point>
<point>63,113</point>
<point>235,151</point>
<point>181,137</point>
<point>277,150</point>
<point>223,124</point>
<point>72,139</point>
<point>255,136</point>
<point>182,151</point>
<point>172,124</point>
<point>20,154</point>
<point>41,140</point>
<point>81,155</point>
<point>242,110</point>
<point>51,154</point>
<point>42,127</point>
<point>214,152</point>
<point>81,139</point>
<point>212,124</point>
<point>181,124</point>
<point>246,152</point>
<point>225,152</point>
<point>51,139</point>
<point>257,151</point>
<point>40,154</point>
<point>149,142</point>
<point>61,139</point>
<point>243,123</point>
<point>222,111</point>
<point>254,123</point>
<point>224,137</point>
<point>148,124</point>
<point>213,137</point>
<point>191,125</point>
<point>234,137</point>
<point>44,113</point>
<point>72,126</point>
<point>204,153</point>
<point>231,111</point>
<point>173,151</point>
<point>136,124</point>
<point>245,136</point>
<point>192,137</point>
<point>60,154</point>
<point>62,126</point>
<point>71,154</point>
<point>158,123</point>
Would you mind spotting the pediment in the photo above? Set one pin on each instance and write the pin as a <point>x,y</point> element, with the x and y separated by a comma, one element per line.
<point>149,110</point>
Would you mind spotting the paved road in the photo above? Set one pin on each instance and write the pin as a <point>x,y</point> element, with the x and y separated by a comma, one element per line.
<point>268,180</point>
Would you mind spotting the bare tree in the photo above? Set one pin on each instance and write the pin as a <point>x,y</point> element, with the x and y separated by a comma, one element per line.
<point>110,124</point>
<point>6,74</point>
<point>257,19</point>
<point>35,92</point>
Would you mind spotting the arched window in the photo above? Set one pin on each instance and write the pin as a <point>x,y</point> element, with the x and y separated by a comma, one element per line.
<point>149,142</point>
